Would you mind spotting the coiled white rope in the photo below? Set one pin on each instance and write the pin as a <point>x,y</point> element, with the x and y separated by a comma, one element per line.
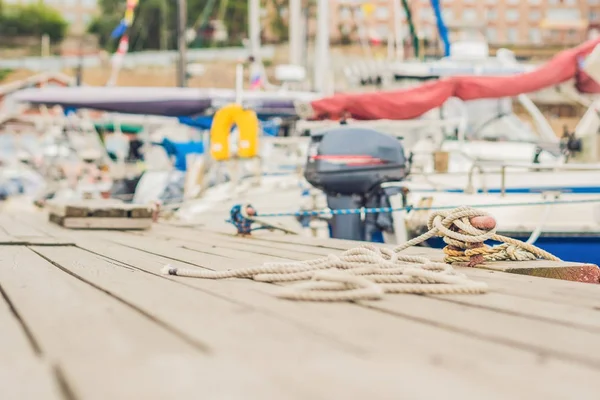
<point>367,272</point>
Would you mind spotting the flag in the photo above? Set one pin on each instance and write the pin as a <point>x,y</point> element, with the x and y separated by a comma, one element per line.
<point>126,21</point>
<point>256,82</point>
<point>128,17</point>
<point>256,76</point>
<point>119,30</point>
<point>117,60</point>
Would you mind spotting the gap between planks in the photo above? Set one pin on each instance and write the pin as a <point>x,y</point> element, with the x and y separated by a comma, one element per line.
<point>578,352</point>
<point>228,282</point>
<point>89,334</point>
<point>375,328</point>
<point>571,291</point>
<point>523,286</point>
<point>585,318</point>
<point>22,359</point>
<point>272,342</point>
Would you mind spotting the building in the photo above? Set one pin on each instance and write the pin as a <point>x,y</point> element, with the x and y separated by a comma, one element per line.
<point>78,13</point>
<point>517,22</point>
<point>507,22</point>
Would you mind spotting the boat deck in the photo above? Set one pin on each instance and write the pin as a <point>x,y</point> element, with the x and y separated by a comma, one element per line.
<point>87,315</point>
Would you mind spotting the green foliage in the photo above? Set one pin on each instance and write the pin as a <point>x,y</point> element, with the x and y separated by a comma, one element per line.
<point>155,22</point>
<point>346,33</point>
<point>32,20</point>
<point>278,24</point>
<point>102,26</point>
<point>4,72</point>
<point>236,20</point>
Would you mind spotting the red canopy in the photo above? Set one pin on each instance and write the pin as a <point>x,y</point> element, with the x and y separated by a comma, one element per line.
<point>413,102</point>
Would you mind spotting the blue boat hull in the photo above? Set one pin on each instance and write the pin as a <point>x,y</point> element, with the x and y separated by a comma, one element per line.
<point>521,190</point>
<point>568,247</point>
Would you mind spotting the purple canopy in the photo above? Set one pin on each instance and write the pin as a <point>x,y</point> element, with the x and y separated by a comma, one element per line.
<point>165,101</point>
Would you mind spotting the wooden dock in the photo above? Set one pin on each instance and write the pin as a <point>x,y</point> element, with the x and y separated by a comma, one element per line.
<point>88,315</point>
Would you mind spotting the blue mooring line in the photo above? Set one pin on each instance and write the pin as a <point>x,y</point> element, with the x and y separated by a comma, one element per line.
<point>349,211</point>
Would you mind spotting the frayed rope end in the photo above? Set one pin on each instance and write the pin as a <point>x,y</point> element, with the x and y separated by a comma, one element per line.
<point>168,270</point>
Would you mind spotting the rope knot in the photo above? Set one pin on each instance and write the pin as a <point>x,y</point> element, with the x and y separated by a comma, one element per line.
<point>465,230</point>
<point>368,272</point>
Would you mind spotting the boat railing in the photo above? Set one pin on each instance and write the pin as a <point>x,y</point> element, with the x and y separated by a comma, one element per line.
<point>476,167</point>
<point>502,167</point>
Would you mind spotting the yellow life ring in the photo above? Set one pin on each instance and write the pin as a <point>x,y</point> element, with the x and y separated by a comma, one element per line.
<point>248,127</point>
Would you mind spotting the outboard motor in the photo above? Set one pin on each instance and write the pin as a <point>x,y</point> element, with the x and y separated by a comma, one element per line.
<point>350,165</point>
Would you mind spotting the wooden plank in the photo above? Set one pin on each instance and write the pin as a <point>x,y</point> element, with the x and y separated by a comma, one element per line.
<point>583,317</point>
<point>533,282</point>
<point>430,322</point>
<point>580,317</point>
<point>295,251</point>
<point>101,223</point>
<point>548,308</point>
<point>386,338</point>
<point>206,243</point>
<point>4,221</point>
<point>217,322</point>
<point>24,374</point>
<point>548,290</point>
<point>221,264</point>
<point>99,209</point>
<point>555,291</point>
<point>178,304</point>
<point>570,271</point>
<point>16,229</point>
<point>565,342</point>
<point>217,258</point>
<point>37,241</point>
<point>226,241</point>
<point>86,211</point>
<point>231,253</point>
<point>166,248</point>
<point>90,334</point>
<point>218,284</point>
<point>317,246</point>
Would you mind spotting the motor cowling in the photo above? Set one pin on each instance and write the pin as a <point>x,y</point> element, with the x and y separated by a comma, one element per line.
<point>350,164</point>
<point>352,160</point>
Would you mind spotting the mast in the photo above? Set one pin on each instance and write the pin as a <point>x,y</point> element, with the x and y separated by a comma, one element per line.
<point>181,43</point>
<point>399,39</point>
<point>254,29</point>
<point>295,31</point>
<point>321,61</point>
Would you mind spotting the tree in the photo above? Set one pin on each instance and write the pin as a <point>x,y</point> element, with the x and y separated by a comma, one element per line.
<point>4,73</point>
<point>102,26</point>
<point>279,25</point>
<point>150,29</point>
<point>32,20</point>
<point>155,21</point>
